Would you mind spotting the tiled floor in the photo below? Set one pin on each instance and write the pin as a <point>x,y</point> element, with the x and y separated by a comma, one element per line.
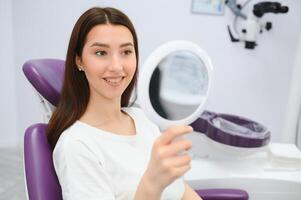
<point>11,175</point>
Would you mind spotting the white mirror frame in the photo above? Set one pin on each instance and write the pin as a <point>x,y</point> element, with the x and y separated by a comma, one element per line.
<point>147,70</point>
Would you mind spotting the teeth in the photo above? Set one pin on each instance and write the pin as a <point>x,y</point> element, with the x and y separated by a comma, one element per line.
<point>113,81</point>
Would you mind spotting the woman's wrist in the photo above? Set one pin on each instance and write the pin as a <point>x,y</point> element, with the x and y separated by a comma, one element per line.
<point>147,190</point>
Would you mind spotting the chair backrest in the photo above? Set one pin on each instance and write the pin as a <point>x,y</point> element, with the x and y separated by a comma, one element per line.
<point>46,76</point>
<point>41,179</point>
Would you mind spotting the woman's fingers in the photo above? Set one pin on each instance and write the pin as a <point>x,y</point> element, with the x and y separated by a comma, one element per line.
<point>180,171</point>
<point>171,133</point>
<point>167,163</point>
<point>177,161</point>
<point>176,148</point>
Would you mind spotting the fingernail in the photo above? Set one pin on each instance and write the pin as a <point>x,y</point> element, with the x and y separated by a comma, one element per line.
<point>191,128</point>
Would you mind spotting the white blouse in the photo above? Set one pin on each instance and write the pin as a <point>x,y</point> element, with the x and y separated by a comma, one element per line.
<point>95,164</point>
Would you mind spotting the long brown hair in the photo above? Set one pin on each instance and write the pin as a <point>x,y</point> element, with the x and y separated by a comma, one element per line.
<point>75,91</point>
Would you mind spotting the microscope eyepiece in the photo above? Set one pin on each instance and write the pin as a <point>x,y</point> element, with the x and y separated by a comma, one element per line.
<point>283,9</point>
<point>261,8</point>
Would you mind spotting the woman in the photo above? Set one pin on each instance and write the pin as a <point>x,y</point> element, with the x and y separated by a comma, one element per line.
<point>104,149</point>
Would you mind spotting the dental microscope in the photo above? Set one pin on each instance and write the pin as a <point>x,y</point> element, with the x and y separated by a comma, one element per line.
<point>253,23</point>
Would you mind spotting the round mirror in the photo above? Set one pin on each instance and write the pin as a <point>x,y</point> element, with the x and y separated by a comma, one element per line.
<point>174,83</point>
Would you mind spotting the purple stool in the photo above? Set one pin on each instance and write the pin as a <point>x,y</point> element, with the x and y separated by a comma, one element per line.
<point>46,76</point>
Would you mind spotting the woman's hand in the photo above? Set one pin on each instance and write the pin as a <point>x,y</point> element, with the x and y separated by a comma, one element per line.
<point>167,162</point>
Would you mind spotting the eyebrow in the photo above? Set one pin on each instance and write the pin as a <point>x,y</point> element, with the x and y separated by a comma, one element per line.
<point>107,46</point>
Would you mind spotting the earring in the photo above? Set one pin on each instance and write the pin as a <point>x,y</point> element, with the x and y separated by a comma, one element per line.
<point>80,68</point>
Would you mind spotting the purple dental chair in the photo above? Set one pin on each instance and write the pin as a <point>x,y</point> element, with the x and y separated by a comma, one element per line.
<point>46,76</point>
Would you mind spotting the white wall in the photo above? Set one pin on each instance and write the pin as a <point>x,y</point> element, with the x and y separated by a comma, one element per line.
<point>253,84</point>
<point>292,123</point>
<point>8,117</point>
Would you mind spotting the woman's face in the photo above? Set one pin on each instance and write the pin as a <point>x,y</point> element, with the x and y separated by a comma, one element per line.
<point>108,60</point>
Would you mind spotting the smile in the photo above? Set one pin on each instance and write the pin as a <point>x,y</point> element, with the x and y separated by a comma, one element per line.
<point>114,81</point>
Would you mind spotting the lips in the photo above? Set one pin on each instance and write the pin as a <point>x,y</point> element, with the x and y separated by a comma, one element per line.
<point>114,81</point>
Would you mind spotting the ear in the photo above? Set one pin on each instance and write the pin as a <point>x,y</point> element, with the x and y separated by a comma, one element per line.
<point>78,62</point>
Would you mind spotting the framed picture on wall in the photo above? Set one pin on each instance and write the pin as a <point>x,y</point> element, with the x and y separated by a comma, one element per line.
<point>215,7</point>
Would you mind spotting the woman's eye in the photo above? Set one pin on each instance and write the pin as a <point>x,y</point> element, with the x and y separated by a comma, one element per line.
<point>127,52</point>
<point>100,53</point>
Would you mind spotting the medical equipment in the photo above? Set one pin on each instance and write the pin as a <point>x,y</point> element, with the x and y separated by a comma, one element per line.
<point>232,130</point>
<point>252,24</point>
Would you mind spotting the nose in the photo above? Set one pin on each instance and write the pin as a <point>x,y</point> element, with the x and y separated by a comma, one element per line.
<point>116,64</point>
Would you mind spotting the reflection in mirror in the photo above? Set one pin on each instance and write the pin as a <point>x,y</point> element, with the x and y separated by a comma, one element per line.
<point>179,84</point>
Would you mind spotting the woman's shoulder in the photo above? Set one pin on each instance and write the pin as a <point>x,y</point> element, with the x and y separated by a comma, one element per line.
<point>134,110</point>
<point>138,114</point>
<point>72,148</point>
<point>143,120</point>
<point>71,137</point>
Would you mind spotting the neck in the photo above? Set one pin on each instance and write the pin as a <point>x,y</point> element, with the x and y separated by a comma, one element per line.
<point>101,110</point>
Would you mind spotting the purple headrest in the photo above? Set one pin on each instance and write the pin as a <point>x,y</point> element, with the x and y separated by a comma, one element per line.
<point>46,76</point>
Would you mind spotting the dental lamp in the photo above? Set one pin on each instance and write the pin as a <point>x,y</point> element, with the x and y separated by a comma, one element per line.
<point>252,23</point>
